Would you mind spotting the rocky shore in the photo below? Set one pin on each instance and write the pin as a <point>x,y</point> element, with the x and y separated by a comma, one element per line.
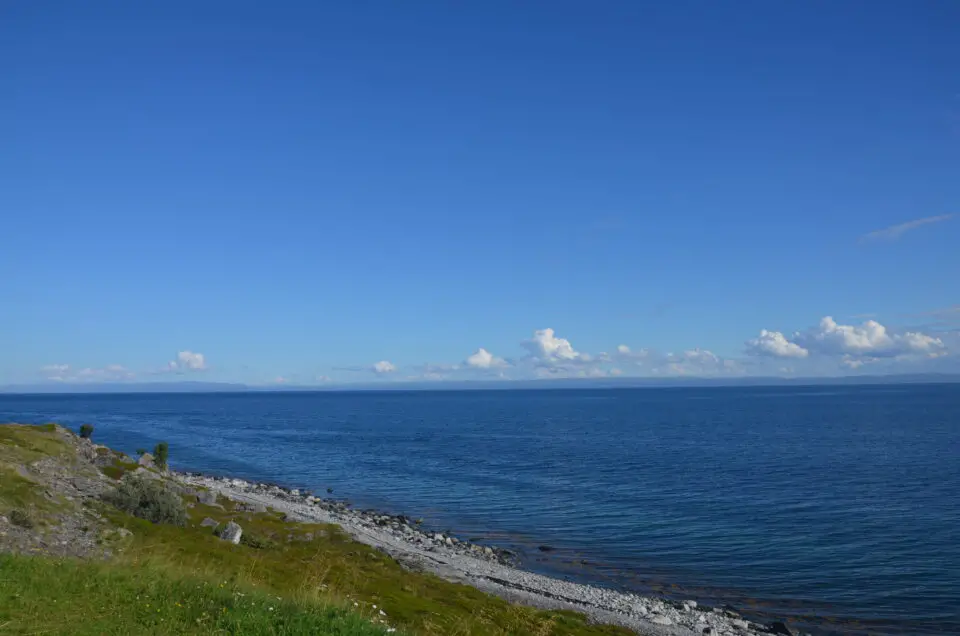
<point>490,569</point>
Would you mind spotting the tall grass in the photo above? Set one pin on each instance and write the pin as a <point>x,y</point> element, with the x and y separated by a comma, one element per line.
<point>68,597</point>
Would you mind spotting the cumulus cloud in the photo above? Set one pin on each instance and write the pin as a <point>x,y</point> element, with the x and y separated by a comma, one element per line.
<point>775,344</point>
<point>625,353</point>
<point>697,362</point>
<point>870,340</point>
<point>187,361</point>
<point>483,359</point>
<point>383,367</point>
<point>548,348</point>
<point>894,232</point>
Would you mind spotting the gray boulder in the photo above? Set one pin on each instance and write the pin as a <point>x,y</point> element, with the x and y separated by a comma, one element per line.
<point>209,523</point>
<point>252,506</point>
<point>146,460</point>
<point>231,532</point>
<point>207,498</point>
<point>146,474</point>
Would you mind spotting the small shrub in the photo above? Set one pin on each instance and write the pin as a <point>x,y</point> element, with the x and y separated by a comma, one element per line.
<point>86,431</point>
<point>118,469</point>
<point>20,518</point>
<point>257,542</point>
<point>149,499</point>
<point>160,455</point>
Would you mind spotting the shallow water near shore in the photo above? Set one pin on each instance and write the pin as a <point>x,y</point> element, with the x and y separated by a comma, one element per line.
<point>836,507</point>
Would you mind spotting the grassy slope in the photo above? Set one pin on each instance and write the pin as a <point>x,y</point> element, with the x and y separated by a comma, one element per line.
<point>70,597</point>
<point>311,567</point>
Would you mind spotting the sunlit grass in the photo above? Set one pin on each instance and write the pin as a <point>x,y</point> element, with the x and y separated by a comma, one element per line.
<point>326,581</point>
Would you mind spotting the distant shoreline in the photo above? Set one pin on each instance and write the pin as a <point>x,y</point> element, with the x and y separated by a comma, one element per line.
<point>483,385</point>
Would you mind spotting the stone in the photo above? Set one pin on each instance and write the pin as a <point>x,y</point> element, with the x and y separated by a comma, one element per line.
<point>231,532</point>
<point>488,551</point>
<point>251,506</point>
<point>124,533</point>
<point>294,493</point>
<point>661,620</point>
<point>689,605</point>
<point>740,623</point>
<point>779,627</point>
<point>207,498</point>
<point>709,631</point>
<point>146,460</point>
<point>449,541</point>
<point>209,523</point>
<point>147,474</point>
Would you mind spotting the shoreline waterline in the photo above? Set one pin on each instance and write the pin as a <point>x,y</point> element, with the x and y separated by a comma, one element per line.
<point>832,512</point>
<point>493,570</point>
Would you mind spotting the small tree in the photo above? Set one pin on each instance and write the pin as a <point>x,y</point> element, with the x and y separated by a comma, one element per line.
<point>86,431</point>
<point>160,455</point>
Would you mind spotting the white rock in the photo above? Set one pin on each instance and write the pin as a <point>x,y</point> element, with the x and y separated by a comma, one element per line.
<point>661,620</point>
<point>232,533</point>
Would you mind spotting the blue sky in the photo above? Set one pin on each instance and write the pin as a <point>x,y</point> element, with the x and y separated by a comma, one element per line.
<point>301,190</point>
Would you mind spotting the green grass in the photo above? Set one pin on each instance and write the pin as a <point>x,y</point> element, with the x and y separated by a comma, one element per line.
<point>312,567</point>
<point>21,444</point>
<point>67,597</point>
<point>320,564</point>
<point>118,468</point>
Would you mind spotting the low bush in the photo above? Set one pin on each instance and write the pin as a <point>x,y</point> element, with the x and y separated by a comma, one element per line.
<point>257,542</point>
<point>118,469</point>
<point>86,431</point>
<point>148,499</point>
<point>20,518</point>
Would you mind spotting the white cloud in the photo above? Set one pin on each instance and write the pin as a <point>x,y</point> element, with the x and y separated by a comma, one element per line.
<point>775,344</point>
<point>546,347</point>
<point>894,232</point>
<point>483,359</point>
<point>870,340</point>
<point>56,372</point>
<point>383,367</point>
<point>698,362</point>
<point>916,342</point>
<point>626,353</point>
<point>855,363</point>
<point>187,361</point>
<point>65,373</point>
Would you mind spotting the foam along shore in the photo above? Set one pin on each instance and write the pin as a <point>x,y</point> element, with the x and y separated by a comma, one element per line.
<point>488,569</point>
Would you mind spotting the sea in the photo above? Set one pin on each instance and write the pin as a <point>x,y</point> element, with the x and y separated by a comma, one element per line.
<point>836,508</point>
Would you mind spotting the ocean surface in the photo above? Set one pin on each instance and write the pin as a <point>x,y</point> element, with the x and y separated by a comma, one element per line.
<point>835,507</point>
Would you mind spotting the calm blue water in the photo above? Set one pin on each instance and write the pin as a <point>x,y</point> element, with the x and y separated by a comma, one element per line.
<point>835,506</point>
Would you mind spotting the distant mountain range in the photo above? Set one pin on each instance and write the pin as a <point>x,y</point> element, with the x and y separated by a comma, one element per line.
<point>566,383</point>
